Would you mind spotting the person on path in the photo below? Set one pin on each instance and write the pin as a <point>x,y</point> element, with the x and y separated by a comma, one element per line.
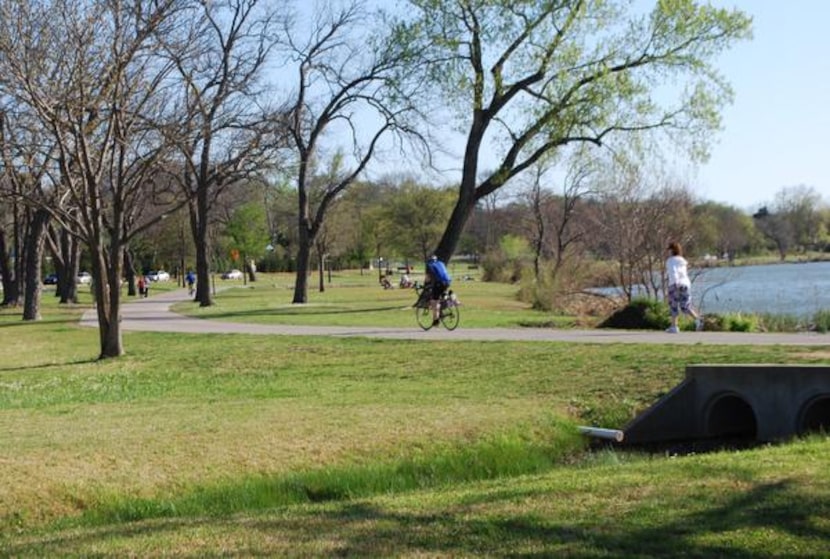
<point>142,286</point>
<point>190,278</point>
<point>438,279</point>
<point>679,288</point>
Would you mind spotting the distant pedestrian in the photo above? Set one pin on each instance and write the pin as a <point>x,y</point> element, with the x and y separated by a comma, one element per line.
<point>679,288</point>
<point>142,286</point>
<point>190,278</point>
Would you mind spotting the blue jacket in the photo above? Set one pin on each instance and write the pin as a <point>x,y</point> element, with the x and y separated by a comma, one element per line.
<point>438,271</point>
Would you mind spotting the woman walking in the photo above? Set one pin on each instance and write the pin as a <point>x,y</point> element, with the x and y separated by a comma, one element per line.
<point>680,296</point>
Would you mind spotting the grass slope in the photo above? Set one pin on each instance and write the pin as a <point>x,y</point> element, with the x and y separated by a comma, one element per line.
<point>216,445</point>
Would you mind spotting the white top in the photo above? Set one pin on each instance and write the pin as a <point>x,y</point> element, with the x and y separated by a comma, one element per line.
<point>676,271</point>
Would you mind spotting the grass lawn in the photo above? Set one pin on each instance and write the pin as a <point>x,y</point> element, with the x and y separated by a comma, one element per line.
<point>354,299</point>
<point>218,445</point>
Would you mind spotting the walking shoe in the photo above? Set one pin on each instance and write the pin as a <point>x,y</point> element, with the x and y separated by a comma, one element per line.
<point>672,330</point>
<point>699,324</point>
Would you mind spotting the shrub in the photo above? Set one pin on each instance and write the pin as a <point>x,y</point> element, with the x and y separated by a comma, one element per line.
<point>493,267</point>
<point>768,322</point>
<point>563,291</point>
<point>640,314</point>
<point>741,323</point>
<point>714,322</point>
<point>821,321</point>
<point>610,414</point>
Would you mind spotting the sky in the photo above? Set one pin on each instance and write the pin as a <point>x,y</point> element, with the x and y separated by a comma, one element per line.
<point>776,131</point>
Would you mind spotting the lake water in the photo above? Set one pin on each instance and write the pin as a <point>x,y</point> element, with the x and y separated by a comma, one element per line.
<point>792,289</point>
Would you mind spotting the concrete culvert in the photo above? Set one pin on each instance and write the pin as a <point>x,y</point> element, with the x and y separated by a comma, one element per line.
<point>815,416</point>
<point>730,415</point>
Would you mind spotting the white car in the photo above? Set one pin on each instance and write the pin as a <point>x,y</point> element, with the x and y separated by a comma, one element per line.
<point>232,274</point>
<point>159,275</point>
<point>84,278</point>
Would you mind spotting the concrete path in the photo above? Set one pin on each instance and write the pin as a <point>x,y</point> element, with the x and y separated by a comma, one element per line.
<point>153,314</point>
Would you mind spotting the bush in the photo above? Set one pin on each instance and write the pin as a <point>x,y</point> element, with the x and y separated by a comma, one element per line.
<point>741,323</point>
<point>768,322</point>
<point>640,314</point>
<point>497,268</point>
<point>821,321</point>
<point>714,322</point>
<point>606,413</point>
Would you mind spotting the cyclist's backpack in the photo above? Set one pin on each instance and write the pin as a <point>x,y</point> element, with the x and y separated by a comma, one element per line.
<point>438,271</point>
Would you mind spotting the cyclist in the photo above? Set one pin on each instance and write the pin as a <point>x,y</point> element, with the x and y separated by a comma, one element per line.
<point>190,278</point>
<point>438,279</point>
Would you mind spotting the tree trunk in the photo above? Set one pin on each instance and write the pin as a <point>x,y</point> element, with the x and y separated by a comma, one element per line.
<point>467,196</point>
<point>11,292</point>
<point>69,289</point>
<point>250,269</point>
<point>129,271</point>
<point>109,328</point>
<point>321,262</point>
<point>303,257</point>
<point>106,280</point>
<point>198,222</point>
<point>66,255</point>
<point>455,228</point>
<point>34,257</point>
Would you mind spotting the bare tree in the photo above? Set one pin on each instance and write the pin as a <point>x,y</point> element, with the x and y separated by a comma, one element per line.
<point>554,228</point>
<point>343,73</point>
<point>218,121</point>
<point>538,200</point>
<point>9,244</point>
<point>92,89</point>
<point>65,249</point>
<point>24,158</point>
<point>638,217</point>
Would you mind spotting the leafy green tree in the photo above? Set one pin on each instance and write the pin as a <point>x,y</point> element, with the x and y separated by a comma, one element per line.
<point>417,214</point>
<point>530,77</point>
<point>248,229</point>
<point>356,219</point>
<point>722,230</point>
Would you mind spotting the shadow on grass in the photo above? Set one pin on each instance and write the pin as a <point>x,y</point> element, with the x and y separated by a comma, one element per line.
<point>49,365</point>
<point>749,523</point>
<point>44,321</point>
<point>302,311</point>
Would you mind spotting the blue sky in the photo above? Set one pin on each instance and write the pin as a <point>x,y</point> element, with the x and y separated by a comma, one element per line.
<point>776,131</point>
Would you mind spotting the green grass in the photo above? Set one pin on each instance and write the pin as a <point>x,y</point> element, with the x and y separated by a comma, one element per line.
<point>217,445</point>
<point>356,300</point>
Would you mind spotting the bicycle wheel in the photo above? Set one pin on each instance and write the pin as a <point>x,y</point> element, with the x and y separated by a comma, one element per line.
<point>424,317</point>
<point>450,317</point>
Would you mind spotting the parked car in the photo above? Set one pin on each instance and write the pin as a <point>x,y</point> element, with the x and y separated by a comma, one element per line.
<point>84,278</point>
<point>51,279</point>
<point>232,274</point>
<point>158,275</point>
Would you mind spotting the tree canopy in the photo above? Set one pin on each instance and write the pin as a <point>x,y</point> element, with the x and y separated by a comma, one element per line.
<point>530,77</point>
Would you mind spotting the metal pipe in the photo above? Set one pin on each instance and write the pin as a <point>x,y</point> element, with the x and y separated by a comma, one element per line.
<point>610,434</point>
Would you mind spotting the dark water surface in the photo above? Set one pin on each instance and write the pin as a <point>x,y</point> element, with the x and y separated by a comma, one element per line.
<point>793,289</point>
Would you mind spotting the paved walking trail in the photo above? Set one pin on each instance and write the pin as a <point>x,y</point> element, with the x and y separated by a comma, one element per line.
<point>153,314</point>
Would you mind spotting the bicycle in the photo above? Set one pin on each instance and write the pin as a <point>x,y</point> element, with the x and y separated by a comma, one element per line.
<point>450,313</point>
